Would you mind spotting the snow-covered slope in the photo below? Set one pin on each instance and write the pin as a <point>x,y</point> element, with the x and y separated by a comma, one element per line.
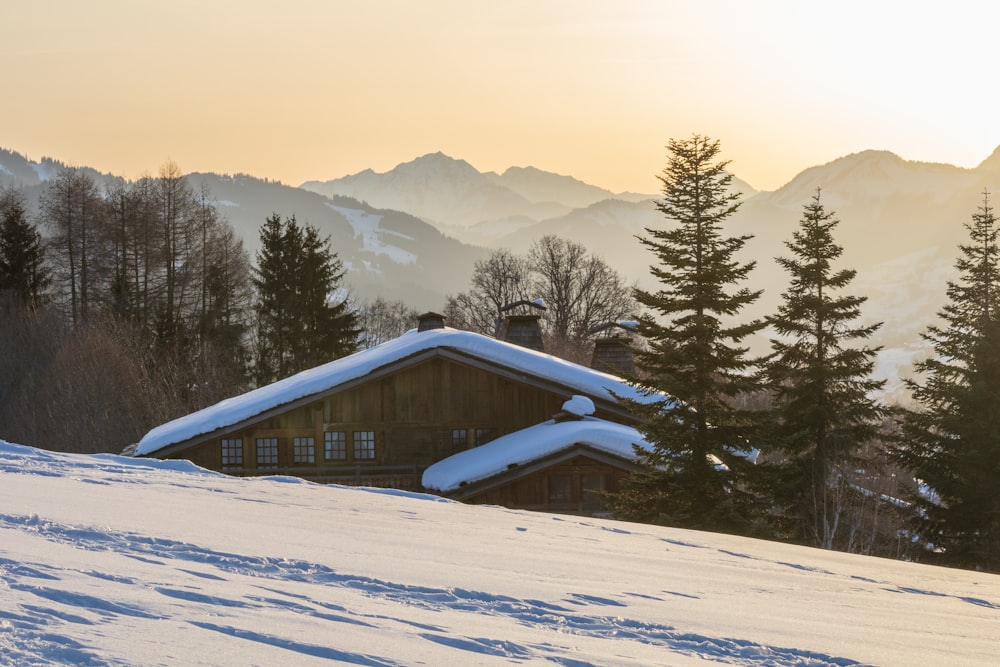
<point>113,561</point>
<point>386,253</point>
<point>17,170</point>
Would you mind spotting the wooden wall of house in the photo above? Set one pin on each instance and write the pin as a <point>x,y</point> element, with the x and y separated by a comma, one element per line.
<point>570,487</point>
<point>417,416</point>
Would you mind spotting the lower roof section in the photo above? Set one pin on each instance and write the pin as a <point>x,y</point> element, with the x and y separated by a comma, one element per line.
<point>527,445</point>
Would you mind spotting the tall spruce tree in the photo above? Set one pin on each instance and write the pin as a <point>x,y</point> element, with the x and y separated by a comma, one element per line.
<point>695,476</point>
<point>952,442</point>
<point>299,322</point>
<point>23,276</point>
<point>821,384</point>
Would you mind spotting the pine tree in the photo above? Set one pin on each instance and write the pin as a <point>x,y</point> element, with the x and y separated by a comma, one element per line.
<point>822,388</point>
<point>952,442</point>
<point>695,476</point>
<point>298,325</point>
<point>22,271</point>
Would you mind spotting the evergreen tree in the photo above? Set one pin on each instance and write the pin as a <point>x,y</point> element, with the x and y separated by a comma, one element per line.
<point>695,476</point>
<point>952,442</point>
<point>298,323</point>
<point>822,389</point>
<point>22,273</point>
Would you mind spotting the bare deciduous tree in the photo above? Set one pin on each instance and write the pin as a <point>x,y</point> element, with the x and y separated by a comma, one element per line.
<point>73,209</point>
<point>381,320</point>
<point>579,289</point>
<point>498,280</point>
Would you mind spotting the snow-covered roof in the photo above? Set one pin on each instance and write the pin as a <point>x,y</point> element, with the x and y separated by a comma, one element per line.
<point>531,444</point>
<point>576,378</point>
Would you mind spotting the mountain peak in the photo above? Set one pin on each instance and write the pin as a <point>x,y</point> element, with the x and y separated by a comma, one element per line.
<point>992,163</point>
<point>868,156</point>
<point>439,159</point>
<point>871,173</point>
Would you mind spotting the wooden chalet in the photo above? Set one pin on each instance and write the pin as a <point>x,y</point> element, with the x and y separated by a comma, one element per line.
<point>561,465</point>
<point>383,416</point>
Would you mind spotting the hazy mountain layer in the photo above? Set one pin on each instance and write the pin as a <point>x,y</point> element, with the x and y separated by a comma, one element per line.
<point>453,194</point>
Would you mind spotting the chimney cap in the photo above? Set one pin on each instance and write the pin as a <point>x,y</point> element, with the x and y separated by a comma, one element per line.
<point>627,325</point>
<point>537,303</point>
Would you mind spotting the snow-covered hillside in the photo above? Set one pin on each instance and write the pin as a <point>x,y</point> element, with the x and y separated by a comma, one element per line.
<point>113,561</point>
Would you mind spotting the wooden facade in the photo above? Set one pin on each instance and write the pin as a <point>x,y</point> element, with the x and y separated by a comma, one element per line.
<point>385,428</point>
<point>572,481</point>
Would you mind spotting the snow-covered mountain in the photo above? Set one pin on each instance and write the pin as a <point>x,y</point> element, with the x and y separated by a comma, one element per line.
<point>386,252</point>
<point>451,193</point>
<point>106,560</point>
<point>16,168</point>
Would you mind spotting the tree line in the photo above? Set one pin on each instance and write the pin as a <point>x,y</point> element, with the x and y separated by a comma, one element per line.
<point>139,304</point>
<point>840,470</point>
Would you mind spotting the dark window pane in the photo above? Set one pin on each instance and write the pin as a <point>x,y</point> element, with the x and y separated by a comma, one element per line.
<point>335,446</point>
<point>364,445</point>
<point>232,453</point>
<point>304,450</point>
<point>267,452</point>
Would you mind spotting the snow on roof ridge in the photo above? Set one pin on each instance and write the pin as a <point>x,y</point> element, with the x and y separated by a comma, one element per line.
<point>531,444</point>
<point>579,379</point>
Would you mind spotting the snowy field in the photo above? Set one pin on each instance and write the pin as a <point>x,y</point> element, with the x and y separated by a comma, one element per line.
<point>113,561</point>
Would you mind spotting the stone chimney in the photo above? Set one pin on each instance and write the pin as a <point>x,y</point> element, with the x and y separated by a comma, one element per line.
<point>429,321</point>
<point>523,328</point>
<point>613,351</point>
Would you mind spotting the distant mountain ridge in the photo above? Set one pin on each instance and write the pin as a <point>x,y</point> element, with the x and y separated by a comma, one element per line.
<point>451,193</point>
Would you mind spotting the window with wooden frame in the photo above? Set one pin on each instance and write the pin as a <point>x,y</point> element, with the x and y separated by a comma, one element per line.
<point>267,452</point>
<point>364,445</point>
<point>335,446</point>
<point>459,439</point>
<point>304,450</point>
<point>232,453</point>
<point>484,435</point>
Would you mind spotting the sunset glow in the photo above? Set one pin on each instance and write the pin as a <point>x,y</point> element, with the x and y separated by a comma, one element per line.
<point>314,89</point>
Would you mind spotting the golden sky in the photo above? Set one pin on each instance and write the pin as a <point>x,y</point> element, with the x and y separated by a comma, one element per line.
<point>297,90</point>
